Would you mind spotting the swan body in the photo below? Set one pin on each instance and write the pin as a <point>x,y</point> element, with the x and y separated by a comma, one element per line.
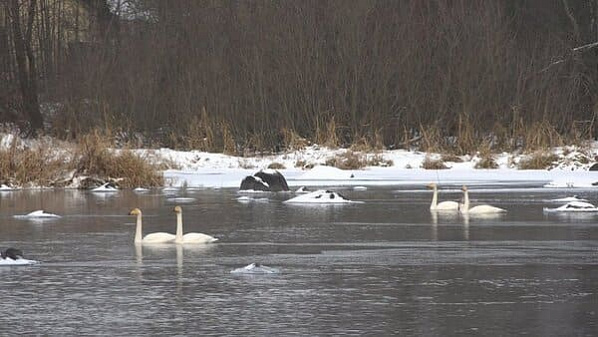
<point>568,199</point>
<point>39,214</point>
<point>480,209</point>
<point>152,238</point>
<point>255,268</point>
<point>442,206</point>
<point>573,206</point>
<point>107,187</point>
<point>321,197</point>
<point>181,238</point>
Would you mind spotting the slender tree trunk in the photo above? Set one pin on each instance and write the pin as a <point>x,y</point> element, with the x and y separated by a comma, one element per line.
<point>26,63</point>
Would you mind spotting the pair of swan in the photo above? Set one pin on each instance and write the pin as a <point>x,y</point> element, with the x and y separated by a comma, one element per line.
<point>163,237</point>
<point>463,208</point>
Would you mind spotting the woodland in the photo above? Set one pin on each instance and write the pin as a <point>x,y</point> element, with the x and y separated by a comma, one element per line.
<point>265,75</point>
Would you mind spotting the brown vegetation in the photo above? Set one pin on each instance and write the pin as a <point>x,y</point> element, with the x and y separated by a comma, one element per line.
<point>24,166</point>
<point>40,165</point>
<point>351,160</point>
<point>433,164</point>
<point>250,76</point>
<point>539,160</point>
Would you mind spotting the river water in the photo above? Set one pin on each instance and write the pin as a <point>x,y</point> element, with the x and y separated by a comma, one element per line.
<point>384,267</point>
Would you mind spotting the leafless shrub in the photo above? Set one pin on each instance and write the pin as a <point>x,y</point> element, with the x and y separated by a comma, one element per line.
<point>25,166</point>
<point>93,157</point>
<point>539,160</point>
<point>433,164</point>
<point>486,158</point>
<point>448,157</point>
<point>276,166</point>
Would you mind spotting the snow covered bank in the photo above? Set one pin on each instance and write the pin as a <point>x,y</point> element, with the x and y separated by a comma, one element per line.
<point>307,167</point>
<point>200,169</point>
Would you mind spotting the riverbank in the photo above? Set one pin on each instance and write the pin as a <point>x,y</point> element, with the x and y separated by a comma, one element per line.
<point>61,164</point>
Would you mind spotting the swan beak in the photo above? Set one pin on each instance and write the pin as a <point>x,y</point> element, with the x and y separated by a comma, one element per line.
<point>177,209</point>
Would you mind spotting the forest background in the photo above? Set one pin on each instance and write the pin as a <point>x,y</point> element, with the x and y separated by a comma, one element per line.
<point>241,77</point>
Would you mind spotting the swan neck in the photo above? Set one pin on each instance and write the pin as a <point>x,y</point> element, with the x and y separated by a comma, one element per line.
<point>138,229</point>
<point>179,228</point>
<point>434,198</point>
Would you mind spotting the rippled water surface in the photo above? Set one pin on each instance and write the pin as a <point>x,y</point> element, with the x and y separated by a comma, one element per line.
<point>387,266</point>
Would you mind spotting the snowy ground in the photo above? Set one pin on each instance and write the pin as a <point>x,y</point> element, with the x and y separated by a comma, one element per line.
<point>201,169</point>
<point>307,167</point>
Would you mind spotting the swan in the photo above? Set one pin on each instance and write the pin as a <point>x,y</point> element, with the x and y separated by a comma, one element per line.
<point>107,187</point>
<point>255,268</point>
<point>573,206</point>
<point>189,237</point>
<point>480,209</point>
<point>443,206</point>
<point>158,237</point>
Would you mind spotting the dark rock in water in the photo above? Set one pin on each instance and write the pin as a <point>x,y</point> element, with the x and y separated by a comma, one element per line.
<point>593,167</point>
<point>272,181</point>
<point>254,183</point>
<point>12,253</point>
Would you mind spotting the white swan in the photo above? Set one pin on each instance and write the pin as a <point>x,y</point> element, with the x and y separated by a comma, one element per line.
<point>158,237</point>
<point>189,237</point>
<point>480,209</point>
<point>443,206</point>
<point>573,206</point>
<point>255,268</point>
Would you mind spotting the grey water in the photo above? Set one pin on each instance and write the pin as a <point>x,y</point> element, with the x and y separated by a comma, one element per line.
<point>383,267</point>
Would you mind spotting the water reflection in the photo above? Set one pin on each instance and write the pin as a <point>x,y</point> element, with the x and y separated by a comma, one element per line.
<point>449,218</point>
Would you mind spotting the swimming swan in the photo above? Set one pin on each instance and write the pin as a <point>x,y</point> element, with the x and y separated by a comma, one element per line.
<point>189,237</point>
<point>480,209</point>
<point>255,268</point>
<point>443,206</point>
<point>159,237</point>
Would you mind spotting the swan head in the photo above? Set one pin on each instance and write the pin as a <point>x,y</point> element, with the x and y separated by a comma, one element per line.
<point>431,185</point>
<point>135,211</point>
<point>464,188</point>
<point>177,209</point>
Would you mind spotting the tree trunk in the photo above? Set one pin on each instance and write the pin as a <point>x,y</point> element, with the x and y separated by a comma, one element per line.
<point>26,64</point>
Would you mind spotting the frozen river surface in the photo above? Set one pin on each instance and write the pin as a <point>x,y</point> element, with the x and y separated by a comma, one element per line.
<point>382,267</point>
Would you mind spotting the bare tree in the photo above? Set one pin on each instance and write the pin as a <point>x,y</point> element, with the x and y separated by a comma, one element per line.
<point>25,58</point>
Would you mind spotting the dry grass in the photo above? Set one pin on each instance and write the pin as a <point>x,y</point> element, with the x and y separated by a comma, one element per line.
<point>433,164</point>
<point>486,162</point>
<point>276,166</point>
<point>539,160</point>
<point>327,136</point>
<point>24,166</point>
<point>486,158</point>
<point>350,160</point>
<point>228,141</point>
<point>448,157</point>
<point>93,158</point>
<point>432,139</point>
<point>364,144</point>
<point>542,135</point>
<point>199,133</point>
<point>292,141</point>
